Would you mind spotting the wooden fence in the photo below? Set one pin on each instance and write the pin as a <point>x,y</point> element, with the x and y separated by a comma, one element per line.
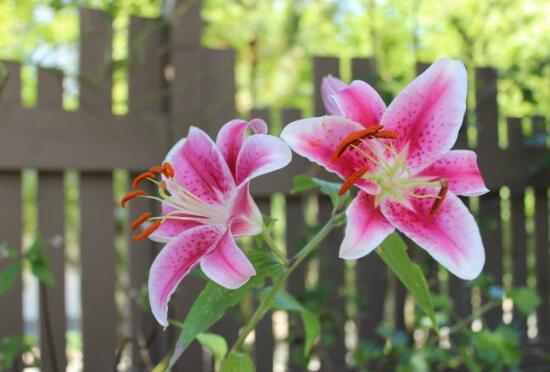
<point>197,87</point>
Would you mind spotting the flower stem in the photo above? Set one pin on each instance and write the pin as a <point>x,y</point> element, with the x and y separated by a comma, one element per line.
<point>266,234</point>
<point>280,282</point>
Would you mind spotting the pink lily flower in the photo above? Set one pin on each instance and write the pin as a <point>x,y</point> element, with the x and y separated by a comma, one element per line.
<point>400,157</point>
<point>206,203</point>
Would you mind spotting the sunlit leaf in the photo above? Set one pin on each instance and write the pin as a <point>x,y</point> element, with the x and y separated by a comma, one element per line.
<point>8,276</point>
<point>215,344</point>
<point>238,362</point>
<point>525,299</point>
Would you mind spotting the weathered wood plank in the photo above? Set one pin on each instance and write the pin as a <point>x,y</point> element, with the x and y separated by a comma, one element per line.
<point>486,107</point>
<point>323,66</point>
<point>542,256</point>
<point>11,94</point>
<point>519,243</point>
<point>332,277</point>
<point>11,321</point>
<point>185,17</point>
<point>97,255</point>
<point>364,69</point>
<point>51,224</point>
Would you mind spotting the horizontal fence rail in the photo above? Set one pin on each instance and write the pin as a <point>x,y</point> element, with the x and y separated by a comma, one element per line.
<point>200,90</point>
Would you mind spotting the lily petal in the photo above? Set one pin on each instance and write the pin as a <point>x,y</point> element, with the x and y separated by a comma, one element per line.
<point>231,138</point>
<point>366,228</point>
<point>428,113</point>
<point>200,167</point>
<point>175,261</point>
<point>227,265</point>
<point>451,236</point>
<point>361,103</point>
<point>170,228</point>
<point>459,168</point>
<point>329,87</point>
<point>317,138</point>
<point>245,216</point>
<point>261,154</point>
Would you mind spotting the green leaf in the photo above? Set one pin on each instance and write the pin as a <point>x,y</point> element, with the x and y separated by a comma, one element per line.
<point>214,300</point>
<point>38,261</point>
<point>312,325</point>
<point>8,276</point>
<point>525,299</point>
<point>303,183</point>
<point>215,344</point>
<point>238,362</point>
<point>393,252</point>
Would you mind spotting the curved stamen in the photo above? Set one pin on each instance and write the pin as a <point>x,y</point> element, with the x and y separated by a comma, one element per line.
<point>142,177</point>
<point>385,134</point>
<point>351,180</point>
<point>157,169</point>
<point>441,196</point>
<point>131,195</point>
<point>352,138</point>
<point>140,220</point>
<point>148,231</point>
<point>168,170</point>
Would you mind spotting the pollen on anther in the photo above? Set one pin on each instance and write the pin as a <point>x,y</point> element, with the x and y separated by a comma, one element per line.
<point>168,170</point>
<point>352,138</point>
<point>148,231</point>
<point>142,177</point>
<point>351,180</point>
<point>157,169</point>
<point>140,220</point>
<point>385,134</point>
<point>131,195</point>
<point>440,197</point>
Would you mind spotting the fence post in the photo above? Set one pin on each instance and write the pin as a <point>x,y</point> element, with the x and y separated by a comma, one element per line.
<point>51,224</point>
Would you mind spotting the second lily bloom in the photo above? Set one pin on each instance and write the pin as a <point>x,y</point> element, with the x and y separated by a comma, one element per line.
<point>400,158</point>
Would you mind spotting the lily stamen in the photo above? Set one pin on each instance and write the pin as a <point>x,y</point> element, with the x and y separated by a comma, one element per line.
<point>140,220</point>
<point>129,196</point>
<point>352,138</point>
<point>351,180</point>
<point>441,196</point>
<point>141,177</point>
<point>148,231</point>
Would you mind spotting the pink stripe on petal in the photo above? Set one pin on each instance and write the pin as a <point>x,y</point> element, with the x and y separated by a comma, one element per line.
<point>366,228</point>
<point>261,154</point>
<point>329,87</point>
<point>175,261</point>
<point>317,138</point>
<point>227,265</point>
<point>428,113</point>
<point>460,169</point>
<point>361,103</point>
<point>451,236</point>
<point>200,167</point>
<point>231,138</point>
<point>170,228</point>
<point>245,217</point>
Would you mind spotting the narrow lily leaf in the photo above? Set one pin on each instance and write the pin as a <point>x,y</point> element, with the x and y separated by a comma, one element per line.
<point>238,362</point>
<point>8,276</point>
<point>312,325</point>
<point>215,344</point>
<point>303,183</point>
<point>393,252</point>
<point>214,300</point>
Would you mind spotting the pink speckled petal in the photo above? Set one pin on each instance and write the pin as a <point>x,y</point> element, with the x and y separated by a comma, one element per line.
<point>329,87</point>
<point>175,261</point>
<point>366,228</point>
<point>227,265</point>
<point>317,138</point>
<point>261,154</point>
<point>170,229</point>
<point>361,103</point>
<point>428,113</point>
<point>200,167</point>
<point>450,236</point>
<point>460,169</point>
<point>246,218</point>
<point>231,138</point>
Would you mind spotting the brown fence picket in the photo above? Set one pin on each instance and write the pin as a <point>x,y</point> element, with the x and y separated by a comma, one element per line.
<point>51,224</point>
<point>11,307</point>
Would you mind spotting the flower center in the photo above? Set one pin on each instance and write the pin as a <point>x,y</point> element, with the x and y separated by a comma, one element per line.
<point>183,204</point>
<point>386,168</point>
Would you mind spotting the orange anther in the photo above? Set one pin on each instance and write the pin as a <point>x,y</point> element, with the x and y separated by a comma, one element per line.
<point>148,231</point>
<point>141,177</point>
<point>351,180</point>
<point>385,134</point>
<point>140,220</point>
<point>156,169</point>
<point>351,138</point>
<point>167,170</point>
<point>440,197</point>
<point>131,195</point>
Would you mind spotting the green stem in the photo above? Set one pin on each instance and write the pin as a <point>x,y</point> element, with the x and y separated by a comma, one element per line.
<point>266,234</point>
<point>278,285</point>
